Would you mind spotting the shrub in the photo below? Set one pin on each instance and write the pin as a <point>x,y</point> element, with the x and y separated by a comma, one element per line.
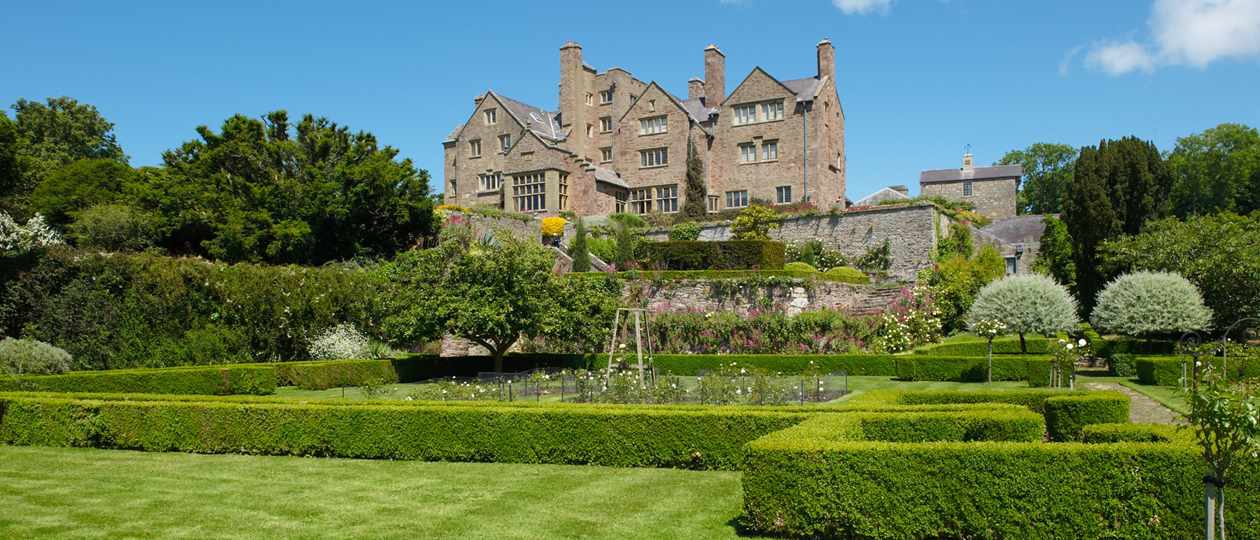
<point>968,368</point>
<point>215,380</point>
<point>1067,415</point>
<point>822,331</point>
<point>729,255</point>
<point>17,239</point>
<point>323,375</point>
<point>800,267</point>
<point>754,223</point>
<point>340,342</point>
<point>686,231</point>
<point>1122,365</point>
<point>876,260</point>
<point>579,251</point>
<point>813,487</point>
<point>1027,304</point>
<point>847,274</point>
<point>552,226</point>
<point>559,434</point>
<point>28,356</point>
<point>1140,433</point>
<point>113,227</point>
<point>1151,303</point>
<point>1168,371</point>
<point>979,347</point>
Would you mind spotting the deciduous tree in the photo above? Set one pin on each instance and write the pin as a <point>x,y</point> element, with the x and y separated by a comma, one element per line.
<point>1048,169</point>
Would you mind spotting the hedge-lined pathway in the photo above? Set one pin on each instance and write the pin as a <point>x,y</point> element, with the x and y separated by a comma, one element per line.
<point>1142,409</point>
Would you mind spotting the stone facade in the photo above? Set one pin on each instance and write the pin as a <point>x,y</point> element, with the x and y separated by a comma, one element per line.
<point>992,190</point>
<point>912,232</point>
<point>596,155</point>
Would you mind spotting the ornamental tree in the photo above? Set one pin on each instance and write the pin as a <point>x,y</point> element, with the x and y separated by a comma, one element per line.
<point>1026,304</point>
<point>1145,304</point>
<point>579,251</point>
<point>1226,421</point>
<point>754,223</point>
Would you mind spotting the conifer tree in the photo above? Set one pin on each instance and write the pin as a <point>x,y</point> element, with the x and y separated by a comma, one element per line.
<point>580,253</point>
<point>693,206</point>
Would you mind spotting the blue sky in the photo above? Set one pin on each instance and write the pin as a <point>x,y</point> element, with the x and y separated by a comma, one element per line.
<point>919,79</point>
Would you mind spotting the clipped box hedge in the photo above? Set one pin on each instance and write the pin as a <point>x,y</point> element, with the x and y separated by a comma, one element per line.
<point>972,368</point>
<point>207,380</point>
<point>1066,416</point>
<point>814,487</point>
<point>612,436</point>
<point>788,364</point>
<point>724,255</point>
<point>1148,433</point>
<point>1168,370</point>
<point>979,347</point>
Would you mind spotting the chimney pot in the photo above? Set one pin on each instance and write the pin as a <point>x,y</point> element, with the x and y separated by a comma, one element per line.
<point>695,88</point>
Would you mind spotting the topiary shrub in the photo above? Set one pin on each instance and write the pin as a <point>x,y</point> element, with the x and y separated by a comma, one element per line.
<point>847,274</point>
<point>1026,304</point>
<point>799,267</point>
<point>28,356</point>
<point>1122,365</point>
<point>1151,304</point>
<point>1066,416</point>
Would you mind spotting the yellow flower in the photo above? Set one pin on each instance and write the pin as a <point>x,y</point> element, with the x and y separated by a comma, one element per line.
<point>553,226</point>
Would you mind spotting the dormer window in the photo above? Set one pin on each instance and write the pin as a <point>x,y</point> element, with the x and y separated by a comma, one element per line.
<point>491,117</point>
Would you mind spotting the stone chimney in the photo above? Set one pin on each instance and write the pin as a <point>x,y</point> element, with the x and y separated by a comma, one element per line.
<point>477,100</point>
<point>826,59</point>
<point>572,87</point>
<point>695,88</point>
<point>714,76</point>
<point>900,188</point>
<point>968,165</point>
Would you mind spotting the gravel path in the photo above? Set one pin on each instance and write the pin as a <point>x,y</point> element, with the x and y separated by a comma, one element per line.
<point>1142,409</point>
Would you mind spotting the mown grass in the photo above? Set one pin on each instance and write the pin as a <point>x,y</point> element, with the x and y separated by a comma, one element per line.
<point>82,493</point>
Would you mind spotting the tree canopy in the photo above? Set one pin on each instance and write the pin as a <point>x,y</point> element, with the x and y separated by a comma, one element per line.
<point>1026,304</point>
<point>264,190</point>
<point>1048,170</point>
<point>1216,171</point>
<point>1147,304</point>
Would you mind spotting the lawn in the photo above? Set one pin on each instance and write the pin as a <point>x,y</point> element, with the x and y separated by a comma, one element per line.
<point>1169,396</point>
<point>66,492</point>
<point>857,384</point>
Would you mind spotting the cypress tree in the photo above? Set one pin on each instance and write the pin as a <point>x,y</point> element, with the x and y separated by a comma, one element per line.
<point>694,205</point>
<point>580,253</point>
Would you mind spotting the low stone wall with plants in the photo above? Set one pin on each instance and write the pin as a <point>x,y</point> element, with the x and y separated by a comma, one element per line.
<point>752,295</point>
<point>911,231</point>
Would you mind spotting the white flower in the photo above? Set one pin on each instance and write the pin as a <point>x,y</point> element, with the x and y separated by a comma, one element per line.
<point>1069,346</point>
<point>1082,342</point>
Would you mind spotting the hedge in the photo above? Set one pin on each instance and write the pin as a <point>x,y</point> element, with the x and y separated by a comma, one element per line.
<point>972,368</point>
<point>790,364</point>
<point>866,489</point>
<point>611,436</point>
<point>1031,398</point>
<point>1067,415</point>
<point>1167,370</point>
<point>1109,347</point>
<point>1113,433</point>
<point>321,375</point>
<point>978,347</point>
<point>208,380</point>
<point>725,255</point>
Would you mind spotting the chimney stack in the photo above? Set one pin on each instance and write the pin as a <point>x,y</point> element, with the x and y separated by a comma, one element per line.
<point>695,88</point>
<point>901,188</point>
<point>967,162</point>
<point>477,100</point>
<point>826,59</point>
<point>572,89</point>
<point>714,76</point>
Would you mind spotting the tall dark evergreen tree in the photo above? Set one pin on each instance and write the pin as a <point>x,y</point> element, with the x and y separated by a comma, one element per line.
<point>694,206</point>
<point>1115,189</point>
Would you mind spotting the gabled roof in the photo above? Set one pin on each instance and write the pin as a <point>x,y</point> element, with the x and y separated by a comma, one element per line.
<point>1016,230</point>
<point>978,173</point>
<point>885,194</point>
<point>806,89</point>
<point>698,111</point>
<point>691,113</point>
<point>749,76</point>
<point>537,120</point>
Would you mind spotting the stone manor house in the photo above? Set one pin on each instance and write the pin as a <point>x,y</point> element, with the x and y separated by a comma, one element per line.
<point>618,144</point>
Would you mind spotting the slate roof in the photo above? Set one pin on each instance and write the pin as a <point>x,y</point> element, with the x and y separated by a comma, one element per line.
<point>542,122</point>
<point>696,109</point>
<point>609,176</point>
<point>806,89</point>
<point>1016,230</point>
<point>978,173</point>
<point>885,194</point>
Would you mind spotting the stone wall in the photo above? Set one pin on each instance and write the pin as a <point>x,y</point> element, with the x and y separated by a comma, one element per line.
<point>993,198</point>
<point>705,296</point>
<point>912,231</point>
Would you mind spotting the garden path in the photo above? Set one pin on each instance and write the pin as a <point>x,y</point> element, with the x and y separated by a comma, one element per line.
<point>1142,409</point>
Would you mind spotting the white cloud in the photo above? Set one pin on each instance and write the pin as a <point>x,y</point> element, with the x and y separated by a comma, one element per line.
<point>1184,32</point>
<point>1198,32</point>
<point>1119,58</point>
<point>862,7</point>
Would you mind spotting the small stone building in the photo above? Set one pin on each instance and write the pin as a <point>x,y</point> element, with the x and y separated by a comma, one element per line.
<point>992,190</point>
